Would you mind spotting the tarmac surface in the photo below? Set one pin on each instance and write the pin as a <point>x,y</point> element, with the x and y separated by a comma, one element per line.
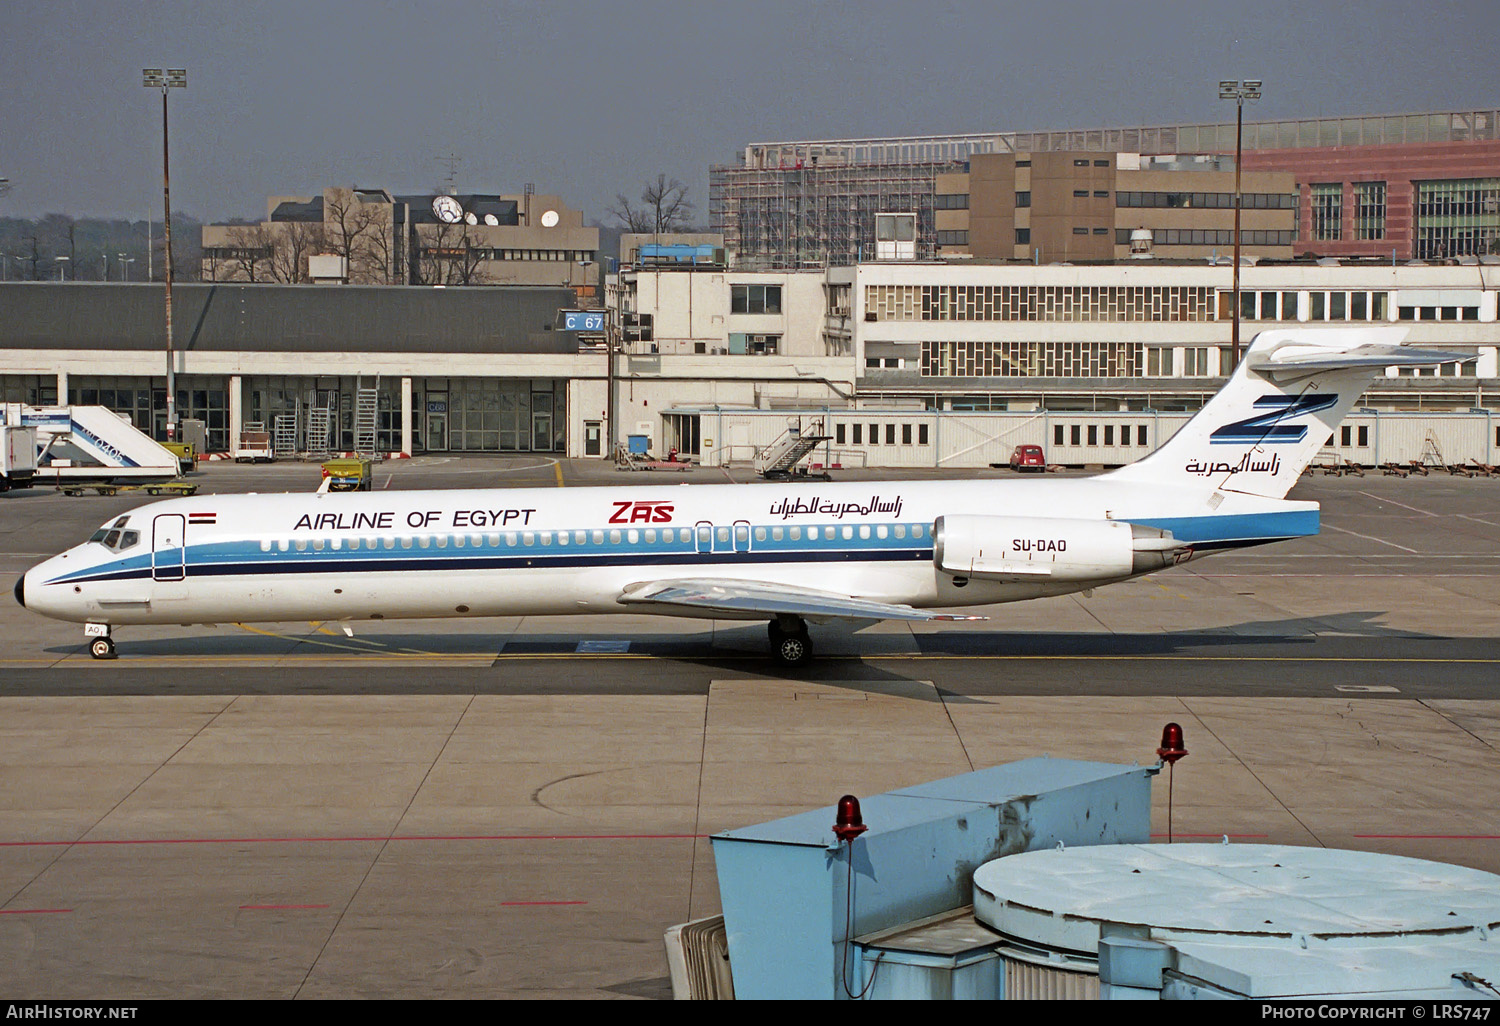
<point>520,807</point>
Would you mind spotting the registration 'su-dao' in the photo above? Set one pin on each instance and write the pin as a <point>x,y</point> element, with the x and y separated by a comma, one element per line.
<point>788,554</point>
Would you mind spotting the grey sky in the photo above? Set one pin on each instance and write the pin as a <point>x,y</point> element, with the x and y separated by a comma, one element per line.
<point>590,99</point>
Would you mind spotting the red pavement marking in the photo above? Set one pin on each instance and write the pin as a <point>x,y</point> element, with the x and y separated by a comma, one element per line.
<point>1430,837</point>
<point>343,840</point>
<point>262,907</point>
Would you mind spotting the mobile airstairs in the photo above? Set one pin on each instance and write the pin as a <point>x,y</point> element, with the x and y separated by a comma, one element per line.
<point>779,460</point>
<point>91,443</point>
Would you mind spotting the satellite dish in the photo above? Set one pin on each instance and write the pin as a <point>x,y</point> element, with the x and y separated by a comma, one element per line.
<point>447,210</point>
<point>549,219</point>
<point>491,220</point>
<point>469,218</point>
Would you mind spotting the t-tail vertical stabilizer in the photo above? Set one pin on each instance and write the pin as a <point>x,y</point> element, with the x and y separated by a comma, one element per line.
<point>1290,392</point>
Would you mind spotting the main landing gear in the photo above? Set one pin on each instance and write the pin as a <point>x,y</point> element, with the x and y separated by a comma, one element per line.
<point>101,645</point>
<point>790,644</point>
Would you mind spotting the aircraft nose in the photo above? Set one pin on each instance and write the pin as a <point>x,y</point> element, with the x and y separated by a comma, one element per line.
<point>21,589</point>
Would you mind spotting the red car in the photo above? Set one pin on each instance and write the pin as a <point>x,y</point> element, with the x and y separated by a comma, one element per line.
<point>1028,457</point>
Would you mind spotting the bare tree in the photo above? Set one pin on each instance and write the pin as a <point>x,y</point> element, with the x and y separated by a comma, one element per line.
<point>34,257</point>
<point>664,207</point>
<point>291,244</point>
<point>250,249</point>
<point>447,254</point>
<point>383,254</point>
<point>354,230</point>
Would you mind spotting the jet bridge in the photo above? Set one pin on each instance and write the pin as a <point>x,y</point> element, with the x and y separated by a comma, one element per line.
<point>91,443</point>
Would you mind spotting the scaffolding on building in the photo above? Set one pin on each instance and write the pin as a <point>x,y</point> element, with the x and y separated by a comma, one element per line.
<point>819,215</point>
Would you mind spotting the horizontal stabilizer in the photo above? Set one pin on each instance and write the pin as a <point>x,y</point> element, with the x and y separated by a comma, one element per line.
<point>764,598</point>
<point>1282,404</point>
<point>1317,358</point>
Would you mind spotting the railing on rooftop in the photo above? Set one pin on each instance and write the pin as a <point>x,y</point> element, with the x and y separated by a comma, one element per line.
<point>1439,126</point>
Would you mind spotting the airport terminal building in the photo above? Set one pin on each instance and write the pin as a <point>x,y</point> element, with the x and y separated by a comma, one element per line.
<point>902,363</point>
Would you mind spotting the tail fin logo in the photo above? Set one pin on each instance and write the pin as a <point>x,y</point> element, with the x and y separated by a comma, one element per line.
<point>1270,427</point>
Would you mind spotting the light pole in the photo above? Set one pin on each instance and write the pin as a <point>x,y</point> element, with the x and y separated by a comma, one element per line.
<point>62,267</point>
<point>1239,92</point>
<point>175,78</point>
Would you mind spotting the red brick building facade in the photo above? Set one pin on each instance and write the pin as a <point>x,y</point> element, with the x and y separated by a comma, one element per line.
<point>1443,229</point>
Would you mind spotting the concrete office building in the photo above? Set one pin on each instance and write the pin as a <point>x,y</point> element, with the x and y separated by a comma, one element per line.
<point>1079,206</point>
<point>1405,186</point>
<point>950,360</point>
<point>370,237</point>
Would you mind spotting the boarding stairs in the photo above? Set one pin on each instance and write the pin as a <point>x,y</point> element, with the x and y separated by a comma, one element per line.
<point>778,461</point>
<point>320,432</point>
<point>284,435</point>
<point>91,443</point>
<point>366,418</point>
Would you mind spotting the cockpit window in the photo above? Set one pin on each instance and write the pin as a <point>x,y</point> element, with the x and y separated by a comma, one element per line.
<point>113,538</point>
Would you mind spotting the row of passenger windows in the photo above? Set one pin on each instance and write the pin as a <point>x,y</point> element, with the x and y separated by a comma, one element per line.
<point>629,536</point>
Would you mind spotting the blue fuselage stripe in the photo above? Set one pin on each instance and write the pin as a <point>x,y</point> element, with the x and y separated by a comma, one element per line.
<point>248,558</point>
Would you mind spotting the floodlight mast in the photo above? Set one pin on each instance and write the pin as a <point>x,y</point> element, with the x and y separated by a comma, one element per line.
<point>1239,92</point>
<point>173,78</point>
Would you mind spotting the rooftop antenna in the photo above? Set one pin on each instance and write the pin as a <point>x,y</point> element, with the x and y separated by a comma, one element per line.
<point>451,162</point>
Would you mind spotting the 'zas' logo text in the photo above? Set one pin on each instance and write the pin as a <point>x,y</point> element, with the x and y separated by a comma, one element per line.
<point>641,513</point>
<point>1271,426</point>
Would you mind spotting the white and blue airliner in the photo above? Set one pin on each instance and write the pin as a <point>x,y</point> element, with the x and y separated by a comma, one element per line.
<point>785,553</point>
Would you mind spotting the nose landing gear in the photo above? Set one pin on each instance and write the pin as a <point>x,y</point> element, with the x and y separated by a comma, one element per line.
<point>101,645</point>
<point>790,643</point>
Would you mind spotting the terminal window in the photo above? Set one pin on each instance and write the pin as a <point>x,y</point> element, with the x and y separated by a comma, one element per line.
<point>755,299</point>
<point>1328,211</point>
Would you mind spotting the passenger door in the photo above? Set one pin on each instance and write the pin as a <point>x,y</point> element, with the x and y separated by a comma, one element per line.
<point>168,547</point>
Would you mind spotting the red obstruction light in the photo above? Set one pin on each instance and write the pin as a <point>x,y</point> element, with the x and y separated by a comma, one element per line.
<point>1171,744</point>
<point>848,825</point>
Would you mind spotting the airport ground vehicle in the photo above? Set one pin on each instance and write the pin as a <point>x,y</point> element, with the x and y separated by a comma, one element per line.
<point>347,475</point>
<point>187,455</point>
<point>254,446</point>
<point>17,456</point>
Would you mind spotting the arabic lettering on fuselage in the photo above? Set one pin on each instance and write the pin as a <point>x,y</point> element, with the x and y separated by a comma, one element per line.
<point>1246,465</point>
<point>814,506</point>
<point>386,519</point>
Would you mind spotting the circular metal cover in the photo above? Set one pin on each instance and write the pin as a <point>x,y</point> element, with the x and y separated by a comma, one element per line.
<point>1059,898</point>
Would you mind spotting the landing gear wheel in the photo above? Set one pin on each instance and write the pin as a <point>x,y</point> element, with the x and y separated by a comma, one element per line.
<point>794,650</point>
<point>102,648</point>
<point>790,645</point>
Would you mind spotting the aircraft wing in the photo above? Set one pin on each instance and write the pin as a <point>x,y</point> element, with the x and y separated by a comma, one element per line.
<point>770,599</point>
